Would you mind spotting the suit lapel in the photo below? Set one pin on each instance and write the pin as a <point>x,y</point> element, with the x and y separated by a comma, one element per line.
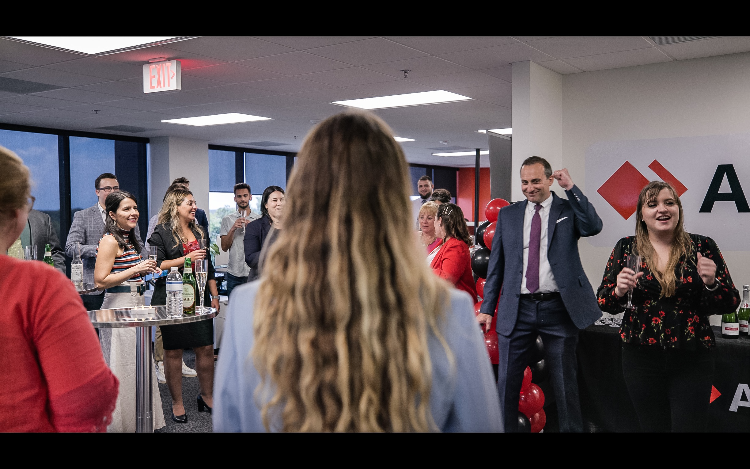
<point>554,213</point>
<point>517,223</point>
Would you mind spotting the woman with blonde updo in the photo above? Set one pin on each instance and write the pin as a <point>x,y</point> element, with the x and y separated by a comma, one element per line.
<point>427,236</point>
<point>54,378</point>
<point>351,331</point>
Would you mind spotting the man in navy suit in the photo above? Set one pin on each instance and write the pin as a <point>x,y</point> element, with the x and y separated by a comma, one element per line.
<point>535,263</point>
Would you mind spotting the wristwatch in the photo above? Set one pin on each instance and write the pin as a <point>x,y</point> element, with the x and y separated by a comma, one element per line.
<point>214,297</point>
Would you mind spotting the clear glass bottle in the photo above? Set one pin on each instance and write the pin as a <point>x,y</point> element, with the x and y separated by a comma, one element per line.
<point>76,268</point>
<point>174,293</point>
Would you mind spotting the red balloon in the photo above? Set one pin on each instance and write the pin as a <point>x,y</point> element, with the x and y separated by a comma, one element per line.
<point>537,398</point>
<point>538,421</point>
<point>489,233</point>
<point>480,287</point>
<point>494,206</point>
<point>526,379</point>
<point>477,307</point>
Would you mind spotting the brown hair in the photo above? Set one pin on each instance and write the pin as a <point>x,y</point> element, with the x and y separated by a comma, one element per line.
<point>682,245</point>
<point>342,320</point>
<point>15,185</point>
<point>454,223</point>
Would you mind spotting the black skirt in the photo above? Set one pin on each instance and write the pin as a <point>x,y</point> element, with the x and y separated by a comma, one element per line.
<point>190,335</point>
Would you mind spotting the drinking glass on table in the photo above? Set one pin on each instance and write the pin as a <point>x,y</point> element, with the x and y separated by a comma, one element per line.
<point>29,253</point>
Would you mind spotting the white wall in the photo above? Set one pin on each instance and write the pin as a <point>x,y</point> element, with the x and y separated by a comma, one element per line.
<point>675,100</point>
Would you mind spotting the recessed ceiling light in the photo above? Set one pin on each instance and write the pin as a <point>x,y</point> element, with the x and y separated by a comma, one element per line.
<point>97,45</point>
<point>403,100</point>
<point>462,153</point>
<point>216,119</point>
<point>508,131</point>
<point>402,139</point>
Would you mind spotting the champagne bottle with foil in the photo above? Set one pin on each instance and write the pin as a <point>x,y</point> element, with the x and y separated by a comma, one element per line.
<point>743,314</point>
<point>76,268</point>
<point>188,288</point>
<point>730,326</point>
<point>48,255</point>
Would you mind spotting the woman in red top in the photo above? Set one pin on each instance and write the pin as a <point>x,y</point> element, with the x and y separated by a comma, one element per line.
<point>53,377</point>
<point>453,261</point>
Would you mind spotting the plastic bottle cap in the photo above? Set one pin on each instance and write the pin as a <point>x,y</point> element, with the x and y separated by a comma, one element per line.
<point>173,269</point>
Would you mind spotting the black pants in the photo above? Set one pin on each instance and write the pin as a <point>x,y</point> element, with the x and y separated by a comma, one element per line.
<point>670,389</point>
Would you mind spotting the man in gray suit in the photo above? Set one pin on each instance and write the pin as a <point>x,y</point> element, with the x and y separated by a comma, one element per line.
<point>534,260</point>
<point>41,233</point>
<point>87,229</point>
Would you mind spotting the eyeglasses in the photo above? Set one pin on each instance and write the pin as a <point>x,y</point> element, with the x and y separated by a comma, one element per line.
<point>30,202</point>
<point>109,189</point>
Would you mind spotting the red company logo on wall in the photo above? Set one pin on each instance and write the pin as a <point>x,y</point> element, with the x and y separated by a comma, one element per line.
<point>621,190</point>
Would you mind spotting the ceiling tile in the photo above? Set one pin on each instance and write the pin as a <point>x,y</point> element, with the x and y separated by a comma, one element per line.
<point>100,67</point>
<point>346,77</point>
<point>459,81</point>
<point>295,63</point>
<point>230,48</point>
<point>230,73</point>
<point>628,58</point>
<point>52,77</point>
<point>367,51</point>
<point>708,47</point>
<point>32,55</point>
<point>418,67</point>
<point>490,57</point>
<point>441,45</point>
<point>561,67</point>
<point>74,95</point>
<point>564,47</point>
<point>310,42</point>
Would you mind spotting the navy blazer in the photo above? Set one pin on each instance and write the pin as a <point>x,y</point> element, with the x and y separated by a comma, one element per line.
<point>255,233</point>
<point>569,220</point>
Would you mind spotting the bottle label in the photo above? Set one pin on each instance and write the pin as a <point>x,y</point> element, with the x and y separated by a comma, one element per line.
<point>744,326</point>
<point>730,328</point>
<point>188,296</point>
<point>188,270</point>
<point>174,286</point>
<point>76,272</point>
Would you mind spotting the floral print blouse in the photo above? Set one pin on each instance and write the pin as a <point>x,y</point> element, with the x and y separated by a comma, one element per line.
<point>679,321</point>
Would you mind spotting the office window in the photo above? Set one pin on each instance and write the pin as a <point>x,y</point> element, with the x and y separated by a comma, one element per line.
<point>221,180</point>
<point>90,157</point>
<point>39,152</point>
<point>263,170</point>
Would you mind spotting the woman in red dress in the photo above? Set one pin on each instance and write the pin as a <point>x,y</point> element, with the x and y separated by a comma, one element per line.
<point>453,261</point>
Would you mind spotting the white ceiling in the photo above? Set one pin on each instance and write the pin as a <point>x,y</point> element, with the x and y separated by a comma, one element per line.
<point>294,79</point>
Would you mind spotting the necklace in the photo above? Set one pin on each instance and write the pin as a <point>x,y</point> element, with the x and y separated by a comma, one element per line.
<point>432,240</point>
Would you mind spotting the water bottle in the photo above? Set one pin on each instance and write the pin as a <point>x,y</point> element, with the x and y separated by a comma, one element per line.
<point>174,293</point>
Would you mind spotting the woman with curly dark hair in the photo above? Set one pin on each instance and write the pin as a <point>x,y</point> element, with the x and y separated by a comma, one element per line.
<point>453,260</point>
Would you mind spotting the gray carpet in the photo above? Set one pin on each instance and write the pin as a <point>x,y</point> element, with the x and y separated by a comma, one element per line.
<point>198,422</point>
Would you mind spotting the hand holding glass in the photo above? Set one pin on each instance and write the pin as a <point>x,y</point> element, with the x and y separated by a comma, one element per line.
<point>152,252</point>
<point>634,264</point>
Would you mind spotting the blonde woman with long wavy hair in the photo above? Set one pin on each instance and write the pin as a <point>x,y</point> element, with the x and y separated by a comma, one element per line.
<point>351,331</point>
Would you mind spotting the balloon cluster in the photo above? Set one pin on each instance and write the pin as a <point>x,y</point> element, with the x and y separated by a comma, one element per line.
<point>531,416</point>
<point>480,260</point>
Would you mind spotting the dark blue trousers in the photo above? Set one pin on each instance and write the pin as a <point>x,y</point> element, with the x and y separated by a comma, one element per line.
<point>550,320</point>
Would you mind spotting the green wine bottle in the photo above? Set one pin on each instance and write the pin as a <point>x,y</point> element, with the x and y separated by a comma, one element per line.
<point>188,288</point>
<point>730,326</point>
<point>743,314</point>
<point>48,255</point>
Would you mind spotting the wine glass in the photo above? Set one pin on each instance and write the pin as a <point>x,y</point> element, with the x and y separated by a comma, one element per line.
<point>633,263</point>
<point>242,216</point>
<point>29,253</point>
<point>201,277</point>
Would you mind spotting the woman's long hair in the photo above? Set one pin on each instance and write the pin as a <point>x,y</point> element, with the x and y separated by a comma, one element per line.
<point>169,215</point>
<point>111,204</point>
<point>454,224</point>
<point>682,245</point>
<point>343,317</point>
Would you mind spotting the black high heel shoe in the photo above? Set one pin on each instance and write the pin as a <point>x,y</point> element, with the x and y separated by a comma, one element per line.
<point>179,418</point>
<point>202,406</point>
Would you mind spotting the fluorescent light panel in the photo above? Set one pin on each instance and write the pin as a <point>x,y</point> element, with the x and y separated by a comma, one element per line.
<point>93,44</point>
<point>216,119</point>
<point>403,139</point>
<point>508,131</point>
<point>403,100</point>
<point>462,153</point>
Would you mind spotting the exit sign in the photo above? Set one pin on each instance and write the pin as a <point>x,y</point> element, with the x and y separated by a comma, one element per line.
<point>161,76</point>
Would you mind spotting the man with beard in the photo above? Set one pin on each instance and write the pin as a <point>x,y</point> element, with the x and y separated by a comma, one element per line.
<point>232,234</point>
<point>424,187</point>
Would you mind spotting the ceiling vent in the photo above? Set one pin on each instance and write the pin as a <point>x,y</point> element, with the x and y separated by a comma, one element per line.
<point>667,40</point>
<point>13,85</point>
<point>264,143</point>
<point>124,128</point>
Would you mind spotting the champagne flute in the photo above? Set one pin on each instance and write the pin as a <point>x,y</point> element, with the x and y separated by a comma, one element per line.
<point>242,216</point>
<point>634,264</point>
<point>201,277</point>
<point>152,252</point>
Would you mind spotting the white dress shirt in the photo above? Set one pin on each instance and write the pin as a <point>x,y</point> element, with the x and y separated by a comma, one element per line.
<point>547,282</point>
